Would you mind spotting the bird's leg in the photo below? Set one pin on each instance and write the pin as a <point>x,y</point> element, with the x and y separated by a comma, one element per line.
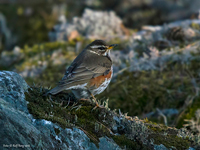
<point>97,105</point>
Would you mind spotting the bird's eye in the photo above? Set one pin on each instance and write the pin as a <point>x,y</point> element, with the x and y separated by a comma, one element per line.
<point>102,48</point>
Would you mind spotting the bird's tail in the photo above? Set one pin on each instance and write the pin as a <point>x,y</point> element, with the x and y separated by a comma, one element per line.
<point>55,90</point>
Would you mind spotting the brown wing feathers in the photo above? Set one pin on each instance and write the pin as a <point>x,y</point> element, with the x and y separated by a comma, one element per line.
<point>82,71</point>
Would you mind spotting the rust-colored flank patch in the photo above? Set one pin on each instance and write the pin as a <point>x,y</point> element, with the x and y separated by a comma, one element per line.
<point>100,79</point>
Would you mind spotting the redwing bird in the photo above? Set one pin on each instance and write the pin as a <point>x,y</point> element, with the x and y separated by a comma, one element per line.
<point>90,73</point>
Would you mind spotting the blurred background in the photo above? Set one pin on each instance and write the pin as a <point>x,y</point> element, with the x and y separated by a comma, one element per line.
<point>156,65</point>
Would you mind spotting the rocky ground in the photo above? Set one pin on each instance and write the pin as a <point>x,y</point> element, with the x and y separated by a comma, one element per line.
<point>35,121</point>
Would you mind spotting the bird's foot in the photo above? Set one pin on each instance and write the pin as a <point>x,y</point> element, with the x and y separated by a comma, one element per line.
<point>97,105</point>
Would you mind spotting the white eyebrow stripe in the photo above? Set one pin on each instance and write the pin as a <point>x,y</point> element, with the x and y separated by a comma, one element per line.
<point>97,46</point>
<point>93,52</point>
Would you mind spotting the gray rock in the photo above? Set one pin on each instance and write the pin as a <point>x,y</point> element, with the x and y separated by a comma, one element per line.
<point>12,88</point>
<point>142,54</point>
<point>20,130</point>
<point>160,147</point>
<point>92,24</point>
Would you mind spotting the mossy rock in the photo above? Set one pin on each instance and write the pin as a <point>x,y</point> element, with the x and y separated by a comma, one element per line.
<point>63,109</point>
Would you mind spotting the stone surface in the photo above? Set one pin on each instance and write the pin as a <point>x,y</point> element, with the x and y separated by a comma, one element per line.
<point>20,129</point>
<point>92,24</point>
<point>154,46</point>
<point>12,88</point>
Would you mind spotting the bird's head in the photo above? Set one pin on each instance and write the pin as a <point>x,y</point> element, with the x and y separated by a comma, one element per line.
<point>100,47</point>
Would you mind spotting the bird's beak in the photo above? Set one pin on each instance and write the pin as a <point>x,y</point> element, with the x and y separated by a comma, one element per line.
<point>112,46</point>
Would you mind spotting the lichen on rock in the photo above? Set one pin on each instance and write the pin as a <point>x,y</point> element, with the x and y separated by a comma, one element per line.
<point>126,131</point>
<point>62,122</point>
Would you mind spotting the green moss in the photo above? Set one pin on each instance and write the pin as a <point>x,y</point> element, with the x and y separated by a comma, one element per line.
<point>45,47</point>
<point>33,27</point>
<point>155,129</point>
<point>168,137</point>
<point>129,144</point>
<point>99,122</point>
<point>43,108</point>
<point>170,141</point>
<point>142,91</point>
<point>189,113</point>
<point>195,26</point>
<point>58,110</point>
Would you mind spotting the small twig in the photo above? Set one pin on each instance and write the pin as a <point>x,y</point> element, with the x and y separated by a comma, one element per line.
<point>79,106</point>
<point>120,113</point>
<point>73,106</point>
<point>67,103</point>
<point>193,81</point>
<point>188,102</point>
<point>50,97</point>
<point>105,127</point>
<point>61,104</point>
<point>120,71</point>
<point>93,138</point>
<point>161,114</point>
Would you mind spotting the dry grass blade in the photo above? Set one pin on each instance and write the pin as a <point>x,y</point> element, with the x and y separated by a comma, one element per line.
<point>79,106</point>
<point>89,135</point>
<point>105,127</point>
<point>67,103</point>
<point>73,106</point>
